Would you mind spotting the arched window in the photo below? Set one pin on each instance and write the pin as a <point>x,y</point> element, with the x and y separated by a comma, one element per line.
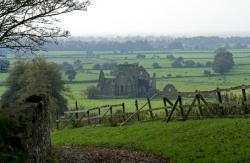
<point>122,89</point>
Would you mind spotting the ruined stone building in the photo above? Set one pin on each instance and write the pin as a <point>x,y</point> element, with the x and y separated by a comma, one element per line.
<point>131,80</point>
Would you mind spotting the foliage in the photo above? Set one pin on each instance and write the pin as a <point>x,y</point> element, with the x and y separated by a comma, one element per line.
<point>92,92</point>
<point>4,65</point>
<point>170,57</point>
<point>71,73</point>
<point>34,78</point>
<point>169,88</point>
<point>65,66</point>
<point>208,64</point>
<point>216,140</point>
<point>29,24</point>
<point>97,67</point>
<point>11,145</point>
<point>140,56</point>
<point>109,66</point>
<point>175,45</point>
<point>207,73</point>
<point>78,65</point>
<point>156,65</point>
<point>223,61</point>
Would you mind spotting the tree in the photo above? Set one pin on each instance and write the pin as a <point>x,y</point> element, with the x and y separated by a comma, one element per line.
<point>30,24</point>
<point>97,67</point>
<point>170,57</point>
<point>177,64</point>
<point>140,56</point>
<point>36,77</point>
<point>78,65</point>
<point>208,64</point>
<point>169,88</point>
<point>71,74</point>
<point>189,63</point>
<point>223,61</point>
<point>92,92</point>
<point>207,73</point>
<point>65,66</point>
<point>4,65</point>
<point>175,45</point>
<point>156,65</point>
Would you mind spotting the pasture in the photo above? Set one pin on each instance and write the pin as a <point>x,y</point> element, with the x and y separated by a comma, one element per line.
<point>217,140</point>
<point>184,79</point>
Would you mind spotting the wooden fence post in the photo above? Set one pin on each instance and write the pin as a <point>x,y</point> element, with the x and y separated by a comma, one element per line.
<point>181,106</point>
<point>88,115</point>
<point>123,112</point>
<point>57,120</point>
<point>244,100</point>
<point>220,101</point>
<point>199,104</point>
<point>150,109</point>
<point>165,105</point>
<point>77,115</point>
<point>137,108</point>
<point>173,109</point>
<point>99,115</point>
<point>111,114</point>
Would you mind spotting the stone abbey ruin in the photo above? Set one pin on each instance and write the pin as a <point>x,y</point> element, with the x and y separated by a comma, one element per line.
<point>131,80</point>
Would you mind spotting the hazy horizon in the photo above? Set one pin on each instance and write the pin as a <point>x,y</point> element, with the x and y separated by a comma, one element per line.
<point>173,18</point>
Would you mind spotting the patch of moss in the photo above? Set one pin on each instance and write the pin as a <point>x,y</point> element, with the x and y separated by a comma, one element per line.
<point>12,144</point>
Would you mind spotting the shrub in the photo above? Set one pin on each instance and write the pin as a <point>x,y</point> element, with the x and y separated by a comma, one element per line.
<point>92,92</point>
<point>156,65</point>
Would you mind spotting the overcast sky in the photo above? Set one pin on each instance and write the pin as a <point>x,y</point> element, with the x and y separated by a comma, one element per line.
<point>161,17</point>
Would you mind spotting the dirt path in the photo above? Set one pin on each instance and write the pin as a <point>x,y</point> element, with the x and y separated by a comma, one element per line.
<point>103,155</point>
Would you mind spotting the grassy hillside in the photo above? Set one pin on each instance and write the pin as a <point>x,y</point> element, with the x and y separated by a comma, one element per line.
<point>219,140</point>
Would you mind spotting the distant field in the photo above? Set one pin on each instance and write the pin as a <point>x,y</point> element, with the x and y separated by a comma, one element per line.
<point>217,140</point>
<point>192,78</point>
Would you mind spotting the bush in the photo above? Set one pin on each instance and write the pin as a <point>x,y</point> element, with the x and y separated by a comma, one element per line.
<point>156,65</point>
<point>12,146</point>
<point>170,57</point>
<point>97,67</point>
<point>92,92</point>
<point>140,56</point>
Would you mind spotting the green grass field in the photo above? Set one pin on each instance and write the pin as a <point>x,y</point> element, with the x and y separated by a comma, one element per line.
<point>217,140</point>
<point>239,74</point>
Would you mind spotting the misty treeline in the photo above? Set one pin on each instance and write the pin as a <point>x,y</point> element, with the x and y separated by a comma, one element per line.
<point>130,44</point>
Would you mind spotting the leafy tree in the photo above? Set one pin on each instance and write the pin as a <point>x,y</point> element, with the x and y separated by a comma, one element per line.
<point>198,64</point>
<point>207,73</point>
<point>36,77</point>
<point>71,74</point>
<point>177,64</point>
<point>169,88</point>
<point>223,61</point>
<point>109,66</point>
<point>189,63</point>
<point>65,66</point>
<point>156,65</point>
<point>78,65</point>
<point>97,67</point>
<point>92,92</point>
<point>140,56</point>
<point>175,45</point>
<point>30,24</point>
<point>170,57</point>
<point>208,64</point>
<point>4,65</point>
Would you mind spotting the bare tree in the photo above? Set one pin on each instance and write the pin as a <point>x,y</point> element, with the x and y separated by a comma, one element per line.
<point>29,24</point>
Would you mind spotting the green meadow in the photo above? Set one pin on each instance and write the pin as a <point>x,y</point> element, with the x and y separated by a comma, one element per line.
<point>217,140</point>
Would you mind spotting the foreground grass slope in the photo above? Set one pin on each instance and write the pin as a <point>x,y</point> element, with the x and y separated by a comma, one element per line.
<point>218,140</point>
